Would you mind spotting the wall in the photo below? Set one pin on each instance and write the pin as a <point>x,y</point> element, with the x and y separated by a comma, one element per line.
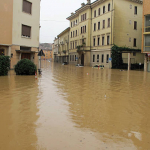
<point>33,20</point>
<point>123,29</point>
<point>6,14</point>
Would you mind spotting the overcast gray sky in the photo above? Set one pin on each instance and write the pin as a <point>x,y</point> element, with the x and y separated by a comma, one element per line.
<point>53,17</point>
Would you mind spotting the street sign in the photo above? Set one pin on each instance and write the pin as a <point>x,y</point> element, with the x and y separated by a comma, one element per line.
<point>148,54</point>
<point>110,59</point>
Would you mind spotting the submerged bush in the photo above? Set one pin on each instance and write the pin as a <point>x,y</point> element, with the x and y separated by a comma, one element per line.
<point>4,65</point>
<point>25,67</point>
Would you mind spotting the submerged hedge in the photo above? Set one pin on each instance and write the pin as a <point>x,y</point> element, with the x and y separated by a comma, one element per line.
<point>25,67</point>
<point>4,65</point>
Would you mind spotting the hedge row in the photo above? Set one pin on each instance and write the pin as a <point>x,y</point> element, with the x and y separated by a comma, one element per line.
<point>4,65</point>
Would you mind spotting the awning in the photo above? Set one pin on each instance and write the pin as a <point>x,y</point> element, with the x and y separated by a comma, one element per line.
<point>24,51</point>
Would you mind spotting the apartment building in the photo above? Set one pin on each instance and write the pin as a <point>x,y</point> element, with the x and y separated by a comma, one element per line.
<point>96,27</point>
<point>63,46</point>
<point>19,29</point>
<point>146,34</point>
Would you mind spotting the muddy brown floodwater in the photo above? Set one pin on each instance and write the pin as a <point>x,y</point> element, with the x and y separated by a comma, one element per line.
<point>68,109</point>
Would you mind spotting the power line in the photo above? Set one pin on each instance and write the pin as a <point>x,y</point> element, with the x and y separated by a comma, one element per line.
<point>54,20</point>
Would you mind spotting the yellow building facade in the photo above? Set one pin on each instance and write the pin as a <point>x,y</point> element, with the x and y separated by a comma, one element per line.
<point>96,27</point>
<point>19,30</point>
<point>146,34</point>
<point>63,46</point>
<point>48,55</point>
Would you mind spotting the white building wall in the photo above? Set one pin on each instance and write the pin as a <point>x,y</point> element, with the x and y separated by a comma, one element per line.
<point>33,20</point>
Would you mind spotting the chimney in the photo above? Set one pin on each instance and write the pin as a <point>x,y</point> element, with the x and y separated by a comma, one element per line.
<point>82,4</point>
<point>88,1</point>
<point>72,13</point>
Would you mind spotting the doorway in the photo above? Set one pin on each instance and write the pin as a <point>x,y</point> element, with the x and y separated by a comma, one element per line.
<point>82,59</point>
<point>26,55</point>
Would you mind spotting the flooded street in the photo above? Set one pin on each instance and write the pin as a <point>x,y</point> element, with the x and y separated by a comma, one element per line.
<point>68,109</point>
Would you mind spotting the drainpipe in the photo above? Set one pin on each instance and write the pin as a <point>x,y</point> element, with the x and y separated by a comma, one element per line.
<point>111,22</point>
<point>90,33</point>
<point>111,32</point>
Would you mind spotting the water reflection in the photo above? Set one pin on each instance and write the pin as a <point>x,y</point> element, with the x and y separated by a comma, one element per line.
<point>18,96</point>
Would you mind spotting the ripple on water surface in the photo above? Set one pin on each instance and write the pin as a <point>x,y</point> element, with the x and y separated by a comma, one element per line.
<point>68,109</point>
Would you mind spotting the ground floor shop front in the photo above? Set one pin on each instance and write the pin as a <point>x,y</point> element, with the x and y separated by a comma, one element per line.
<point>16,53</point>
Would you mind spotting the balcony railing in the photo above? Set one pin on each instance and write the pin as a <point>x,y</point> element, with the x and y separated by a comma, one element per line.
<point>147,29</point>
<point>147,48</point>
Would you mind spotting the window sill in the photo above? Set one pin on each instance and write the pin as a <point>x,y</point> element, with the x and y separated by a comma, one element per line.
<point>25,37</point>
<point>27,13</point>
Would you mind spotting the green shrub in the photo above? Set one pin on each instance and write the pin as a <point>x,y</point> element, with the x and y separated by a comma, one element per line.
<point>4,65</point>
<point>25,67</point>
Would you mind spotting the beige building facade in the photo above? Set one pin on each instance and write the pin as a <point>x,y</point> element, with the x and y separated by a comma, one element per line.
<point>21,29</point>
<point>96,27</point>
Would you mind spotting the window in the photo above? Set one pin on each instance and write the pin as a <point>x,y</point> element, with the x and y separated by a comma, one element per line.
<point>147,23</point>
<point>135,25</point>
<point>85,16</point>
<point>70,57</point>
<point>147,42</point>
<point>71,34</point>
<point>76,32</point>
<point>103,40</point>
<point>26,31</point>
<point>103,24</point>
<point>76,21</point>
<point>73,45</point>
<point>134,54</point>
<point>94,13</point>
<point>27,6</point>
<point>108,7</point>
<point>93,58</point>
<point>70,45</point>
<point>108,40</point>
<point>81,17</point>
<point>99,11</point>
<point>107,58</point>
<point>25,48</point>
<point>94,26</point>
<point>108,22</point>
<point>135,10</point>
<point>71,24</point>
<point>85,29</point>
<point>134,42</point>
<point>94,41</point>
<point>98,41</point>
<point>103,9</point>
<point>97,58</point>
<point>98,25</point>
<point>75,57</point>
<point>81,29</point>
<point>102,58</point>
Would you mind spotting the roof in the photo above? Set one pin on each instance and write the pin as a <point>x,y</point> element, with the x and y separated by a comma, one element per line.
<point>63,32</point>
<point>95,3</point>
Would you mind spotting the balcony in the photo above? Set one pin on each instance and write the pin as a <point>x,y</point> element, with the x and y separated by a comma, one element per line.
<point>147,29</point>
